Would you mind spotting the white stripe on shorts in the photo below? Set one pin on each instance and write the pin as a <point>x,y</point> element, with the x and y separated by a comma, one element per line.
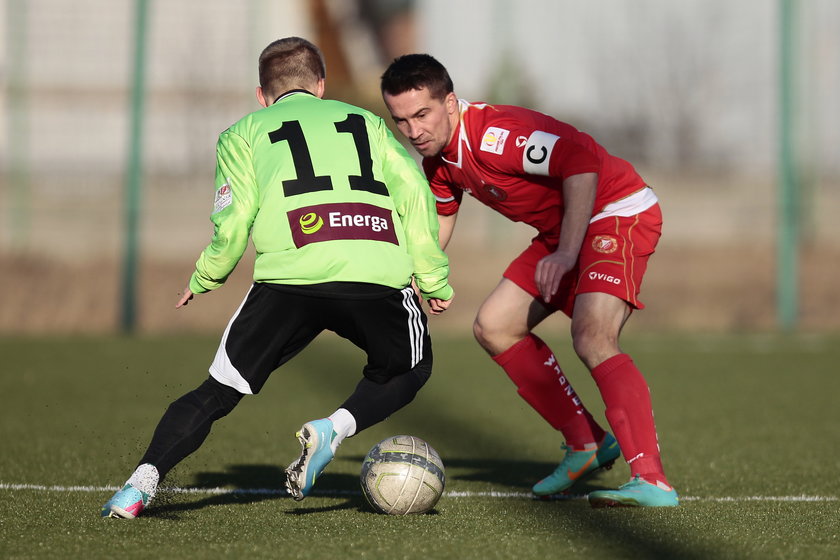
<point>222,370</point>
<point>415,325</point>
<point>628,206</point>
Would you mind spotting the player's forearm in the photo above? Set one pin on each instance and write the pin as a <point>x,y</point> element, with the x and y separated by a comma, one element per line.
<point>579,199</point>
<point>431,269</point>
<point>218,260</point>
<point>447,226</point>
<point>209,275</point>
<point>431,265</point>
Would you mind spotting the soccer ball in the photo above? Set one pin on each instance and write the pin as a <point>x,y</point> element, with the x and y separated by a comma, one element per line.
<point>402,475</point>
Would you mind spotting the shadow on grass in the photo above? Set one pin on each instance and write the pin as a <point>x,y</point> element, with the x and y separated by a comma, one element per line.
<point>505,472</point>
<point>516,474</point>
<point>638,533</point>
<point>651,533</point>
<point>251,484</point>
<point>350,503</point>
<point>169,509</point>
<point>240,479</point>
<point>243,476</point>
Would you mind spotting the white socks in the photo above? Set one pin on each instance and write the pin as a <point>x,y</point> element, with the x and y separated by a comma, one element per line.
<point>344,425</point>
<point>145,479</point>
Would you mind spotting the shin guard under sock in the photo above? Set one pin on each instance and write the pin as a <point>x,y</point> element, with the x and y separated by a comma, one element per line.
<point>630,414</point>
<point>532,367</point>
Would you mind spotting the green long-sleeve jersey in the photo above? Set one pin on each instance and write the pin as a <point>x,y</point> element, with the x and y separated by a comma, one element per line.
<point>327,194</point>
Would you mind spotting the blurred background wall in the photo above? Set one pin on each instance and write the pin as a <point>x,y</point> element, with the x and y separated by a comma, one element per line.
<point>690,92</point>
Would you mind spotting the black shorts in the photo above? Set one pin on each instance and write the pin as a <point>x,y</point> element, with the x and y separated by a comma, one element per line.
<point>275,322</point>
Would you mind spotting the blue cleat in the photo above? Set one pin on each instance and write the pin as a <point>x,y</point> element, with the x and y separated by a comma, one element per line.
<point>578,465</point>
<point>127,503</point>
<point>636,493</point>
<point>315,438</point>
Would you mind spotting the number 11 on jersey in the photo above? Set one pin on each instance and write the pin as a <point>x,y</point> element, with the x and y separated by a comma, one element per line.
<point>306,180</point>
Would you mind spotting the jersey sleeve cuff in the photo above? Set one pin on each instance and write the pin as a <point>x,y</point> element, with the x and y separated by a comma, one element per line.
<point>444,293</point>
<point>195,285</point>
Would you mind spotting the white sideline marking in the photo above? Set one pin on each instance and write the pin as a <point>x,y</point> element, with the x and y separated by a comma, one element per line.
<point>450,494</point>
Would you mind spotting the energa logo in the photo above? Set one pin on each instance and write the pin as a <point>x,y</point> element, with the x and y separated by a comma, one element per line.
<point>341,221</point>
<point>310,223</point>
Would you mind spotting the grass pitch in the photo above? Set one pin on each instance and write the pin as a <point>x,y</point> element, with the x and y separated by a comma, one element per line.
<point>748,426</point>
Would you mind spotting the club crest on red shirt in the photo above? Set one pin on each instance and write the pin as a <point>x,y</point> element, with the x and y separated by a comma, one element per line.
<point>495,192</point>
<point>605,244</point>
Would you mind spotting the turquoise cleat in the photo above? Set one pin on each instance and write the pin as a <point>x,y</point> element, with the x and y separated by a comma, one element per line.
<point>578,465</point>
<point>315,439</point>
<point>127,503</point>
<point>636,493</point>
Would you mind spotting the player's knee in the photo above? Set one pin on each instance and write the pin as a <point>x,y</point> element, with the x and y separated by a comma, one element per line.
<point>494,338</point>
<point>216,399</point>
<point>479,332</point>
<point>423,370</point>
<point>384,372</point>
<point>593,345</point>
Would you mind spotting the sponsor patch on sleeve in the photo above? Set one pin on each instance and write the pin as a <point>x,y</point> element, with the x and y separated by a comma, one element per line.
<point>223,197</point>
<point>537,152</point>
<point>493,140</point>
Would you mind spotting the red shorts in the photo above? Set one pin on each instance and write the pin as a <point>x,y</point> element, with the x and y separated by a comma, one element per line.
<point>612,260</point>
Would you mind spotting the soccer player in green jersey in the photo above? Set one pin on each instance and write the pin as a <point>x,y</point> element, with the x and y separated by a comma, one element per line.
<point>342,220</point>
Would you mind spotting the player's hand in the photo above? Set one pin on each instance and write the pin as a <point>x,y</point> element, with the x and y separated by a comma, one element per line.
<point>550,270</point>
<point>185,298</point>
<point>438,306</point>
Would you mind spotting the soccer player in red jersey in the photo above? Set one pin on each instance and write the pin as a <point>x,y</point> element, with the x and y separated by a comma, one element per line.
<point>597,223</point>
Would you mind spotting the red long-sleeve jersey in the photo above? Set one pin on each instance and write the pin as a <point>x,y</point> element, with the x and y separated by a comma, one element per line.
<point>514,160</point>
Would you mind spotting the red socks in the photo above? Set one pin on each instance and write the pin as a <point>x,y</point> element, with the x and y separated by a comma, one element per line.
<point>531,365</point>
<point>630,414</point>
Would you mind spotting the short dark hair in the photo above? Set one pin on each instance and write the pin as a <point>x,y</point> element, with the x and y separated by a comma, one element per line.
<point>290,63</point>
<point>417,71</point>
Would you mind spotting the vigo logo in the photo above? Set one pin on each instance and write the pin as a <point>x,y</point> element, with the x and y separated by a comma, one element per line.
<point>605,277</point>
<point>310,223</point>
<point>344,220</point>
